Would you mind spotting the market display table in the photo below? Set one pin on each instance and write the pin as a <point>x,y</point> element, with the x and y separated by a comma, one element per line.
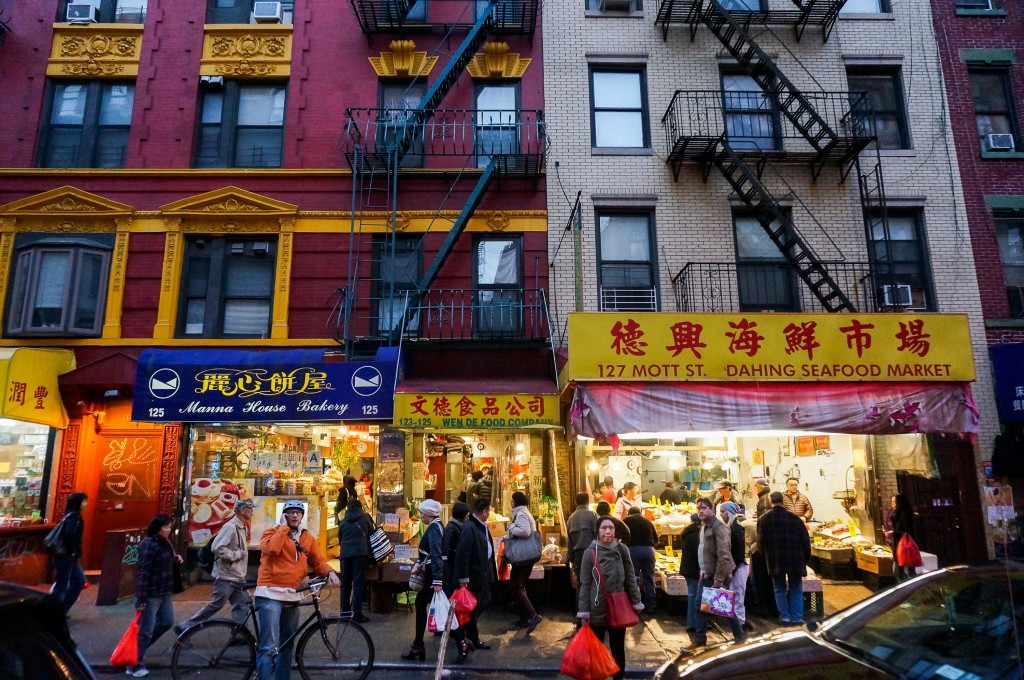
<point>834,563</point>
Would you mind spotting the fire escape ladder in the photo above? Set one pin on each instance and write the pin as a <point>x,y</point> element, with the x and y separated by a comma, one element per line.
<point>780,228</point>
<point>876,222</point>
<point>427,280</point>
<point>824,12</point>
<point>792,103</point>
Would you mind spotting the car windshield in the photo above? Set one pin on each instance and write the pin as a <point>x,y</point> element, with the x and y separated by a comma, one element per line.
<point>961,624</point>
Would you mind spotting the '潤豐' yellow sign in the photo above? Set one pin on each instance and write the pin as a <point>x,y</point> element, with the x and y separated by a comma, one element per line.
<point>830,347</point>
<point>475,411</point>
<point>29,378</point>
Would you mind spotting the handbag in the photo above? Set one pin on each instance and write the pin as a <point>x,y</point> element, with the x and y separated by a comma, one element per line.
<point>380,546</point>
<point>620,609</point>
<point>416,578</point>
<point>523,550</point>
<point>54,541</point>
<point>718,602</point>
<point>907,552</point>
<point>127,651</point>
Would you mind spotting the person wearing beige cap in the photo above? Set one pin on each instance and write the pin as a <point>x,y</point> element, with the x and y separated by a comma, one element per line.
<point>231,559</point>
<point>431,565</point>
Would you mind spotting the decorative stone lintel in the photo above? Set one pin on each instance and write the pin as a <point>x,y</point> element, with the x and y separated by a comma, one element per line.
<point>95,51</point>
<point>494,61</point>
<point>247,51</point>
<point>403,61</point>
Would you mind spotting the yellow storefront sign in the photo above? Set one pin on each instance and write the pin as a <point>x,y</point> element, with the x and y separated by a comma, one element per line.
<point>29,378</point>
<point>828,347</point>
<point>475,411</point>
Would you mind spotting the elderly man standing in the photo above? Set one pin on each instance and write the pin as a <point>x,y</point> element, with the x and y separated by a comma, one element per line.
<point>716,569</point>
<point>783,540</point>
<point>796,502</point>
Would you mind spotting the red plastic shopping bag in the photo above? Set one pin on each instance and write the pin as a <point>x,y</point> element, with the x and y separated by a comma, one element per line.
<point>465,603</point>
<point>586,657</point>
<point>127,651</point>
<point>907,552</point>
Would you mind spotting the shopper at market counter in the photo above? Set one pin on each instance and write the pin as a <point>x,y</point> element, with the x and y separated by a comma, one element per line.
<point>610,492</point>
<point>733,516</point>
<point>689,568</point>
<point>628,499</point>
<point>783,540</point>
<point>716,569</point>
<point>796,502</point>
<point>761,491</point>
<point>643,538</point>
<point>582,530</point>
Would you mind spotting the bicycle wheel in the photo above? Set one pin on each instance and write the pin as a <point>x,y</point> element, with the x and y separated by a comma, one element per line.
<point>337,649</point>
<point>216,650</point>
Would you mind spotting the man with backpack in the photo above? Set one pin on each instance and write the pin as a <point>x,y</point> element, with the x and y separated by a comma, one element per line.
<point>230,549</point>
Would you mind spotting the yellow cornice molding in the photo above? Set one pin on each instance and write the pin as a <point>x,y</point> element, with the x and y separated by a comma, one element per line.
<point>65,209</point>
<point>247,50</point>
<point>494,61</point>
<point>403,61</point>
<point>95,51</point>
<point>230,210</point>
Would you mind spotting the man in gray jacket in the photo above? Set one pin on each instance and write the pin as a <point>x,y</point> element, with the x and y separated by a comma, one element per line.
<point>580,526</point>
<point>716,569</point>
<point>231,559</point>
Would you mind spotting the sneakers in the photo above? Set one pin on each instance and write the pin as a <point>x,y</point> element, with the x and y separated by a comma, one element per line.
<point>137,672</point>
<point>533,623</point>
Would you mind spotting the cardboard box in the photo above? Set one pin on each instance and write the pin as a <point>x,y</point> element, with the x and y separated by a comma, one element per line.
<point>394,572</point>
<point>929,562</point>
<point>675,585</point>
<point>875,565</point>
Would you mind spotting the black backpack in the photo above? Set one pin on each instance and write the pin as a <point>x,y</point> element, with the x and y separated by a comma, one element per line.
<point>206,557</point>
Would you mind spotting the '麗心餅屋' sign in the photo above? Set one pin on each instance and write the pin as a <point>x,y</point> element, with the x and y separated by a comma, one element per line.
<point>829,347</point>
<point>475,411</point>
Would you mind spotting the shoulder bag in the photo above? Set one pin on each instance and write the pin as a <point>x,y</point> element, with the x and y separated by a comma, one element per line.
<point>523,550</point>
<point>54,541</point>
<point>620,610</point>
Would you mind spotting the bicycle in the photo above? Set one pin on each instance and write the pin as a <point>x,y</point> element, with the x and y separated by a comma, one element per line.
<point>334,647</point>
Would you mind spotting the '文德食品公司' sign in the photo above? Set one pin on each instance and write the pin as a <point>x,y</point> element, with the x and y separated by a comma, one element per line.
<point>237,386</point>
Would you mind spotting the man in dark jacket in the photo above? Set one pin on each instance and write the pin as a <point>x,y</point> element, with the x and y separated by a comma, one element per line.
<point>621,530</point>
<point>354,539</point>
<point>762,490</point>
<point>450,545</point>
<point>689,568</point>
<point>783,540</point>
<point>486,485</point>
<point>643,539</point>
<point>716,569</point>
<point>580,527</point>
<point>475,568</point>
<point>671,494</point>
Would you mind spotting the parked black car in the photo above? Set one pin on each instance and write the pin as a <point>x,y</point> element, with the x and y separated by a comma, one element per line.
<point>961,623</point>
<point>34,640</point>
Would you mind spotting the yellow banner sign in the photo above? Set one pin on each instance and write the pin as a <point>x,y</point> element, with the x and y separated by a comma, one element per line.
<point>29,378</point>
<point>475,411</point>
<point>829,347</point>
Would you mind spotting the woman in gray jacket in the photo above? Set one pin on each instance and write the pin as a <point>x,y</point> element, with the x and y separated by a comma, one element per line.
<point>616,573</point>
<point>522,526</point>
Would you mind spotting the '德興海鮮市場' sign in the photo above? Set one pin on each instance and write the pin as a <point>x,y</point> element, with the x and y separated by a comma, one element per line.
<point>830,347</point>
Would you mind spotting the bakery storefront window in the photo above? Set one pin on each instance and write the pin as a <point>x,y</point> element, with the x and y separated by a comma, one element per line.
<point>24,454</point>
<point>272,463</point>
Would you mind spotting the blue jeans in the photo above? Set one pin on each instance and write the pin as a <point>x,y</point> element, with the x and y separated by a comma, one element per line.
<point>157,618</point>
<point>790,601</point>
<point>692,603</point>
<point>643,567</point>
<point>278,621</point>
<point>69,581</point>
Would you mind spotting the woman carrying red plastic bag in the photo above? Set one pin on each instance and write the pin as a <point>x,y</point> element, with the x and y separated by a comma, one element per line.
<point>127,651</point>
<point>586,657</point>
<point>902,521</point>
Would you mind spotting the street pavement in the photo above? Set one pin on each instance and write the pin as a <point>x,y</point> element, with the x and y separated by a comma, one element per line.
<point>513,654</point>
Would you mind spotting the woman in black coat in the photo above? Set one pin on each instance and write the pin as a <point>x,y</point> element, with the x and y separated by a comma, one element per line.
<point>475,568</point>
<point>354,545</point>
<point>902,521</point>
<point>431,565</point>
<point>450,545</point>
<point>70,579</point>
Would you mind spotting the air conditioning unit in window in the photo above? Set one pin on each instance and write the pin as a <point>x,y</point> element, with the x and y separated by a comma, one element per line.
<point>616,5</point>
<point>211,82</point>
<point>266,12</point>
<point>81,13</point>
<point>897,296</point>
<point>1000,142</point>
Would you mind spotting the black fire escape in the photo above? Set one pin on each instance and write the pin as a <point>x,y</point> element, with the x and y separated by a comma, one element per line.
<point>378,144</point>
<point>781,124</point>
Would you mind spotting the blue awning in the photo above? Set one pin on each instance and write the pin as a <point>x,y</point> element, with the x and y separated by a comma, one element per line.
<point>1008,370</point>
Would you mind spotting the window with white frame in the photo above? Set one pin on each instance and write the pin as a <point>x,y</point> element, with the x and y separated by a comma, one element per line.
<point>626,262</point>
<point>975,4</point>
<point>865,7</point>
<point>227,287</point>
<point>619,108</point>
<point>1010,235</point>
<point>498,285</point>
<point>87,125</point>
<point>59,285</point>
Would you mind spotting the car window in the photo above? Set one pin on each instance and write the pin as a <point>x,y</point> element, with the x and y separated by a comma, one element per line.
<point>32,655</point>
<point>963,625</point>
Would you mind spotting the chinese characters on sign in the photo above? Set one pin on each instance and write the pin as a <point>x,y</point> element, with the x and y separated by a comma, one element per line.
<point>665,346</point>
<point>475,410</point>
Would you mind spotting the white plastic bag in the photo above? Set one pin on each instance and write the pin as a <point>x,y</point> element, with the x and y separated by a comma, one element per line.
<point>437,615</point>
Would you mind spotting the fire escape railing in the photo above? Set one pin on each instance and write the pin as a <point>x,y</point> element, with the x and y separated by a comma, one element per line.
<point>400,17</point>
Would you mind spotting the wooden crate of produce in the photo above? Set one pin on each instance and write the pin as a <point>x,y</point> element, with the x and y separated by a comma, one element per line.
<point>833,554</point>
<point>874,564</point>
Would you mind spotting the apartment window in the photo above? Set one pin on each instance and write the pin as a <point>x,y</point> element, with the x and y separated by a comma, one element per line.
<point>497,121</point>
<point>766,280</point>
<point>751,118</point>
<point>505,12</point>
<point>626,262</point>
<point>865,7</point>
<point>227,287</point>
<point>240,11</point>
<point>614,5</point>
<point>742,5</point>
<point>899,262</point>
<point>109,11</point>
<point>241,126</point>
<point>884,95</point>
<point>619,109</point>
<point>59,286</point>
<point>399,268</point>
<point>499,283</point>
<point>1010,234</point>
<point>993,109</point>
<point>398,100</point>
<point>975,4</point>
<point>87,125</point>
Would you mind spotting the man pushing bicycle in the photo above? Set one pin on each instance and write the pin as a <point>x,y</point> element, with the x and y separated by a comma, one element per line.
<point>289,553</point>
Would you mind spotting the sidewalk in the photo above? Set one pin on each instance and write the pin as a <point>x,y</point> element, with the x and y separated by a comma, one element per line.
<point>655,640</point>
